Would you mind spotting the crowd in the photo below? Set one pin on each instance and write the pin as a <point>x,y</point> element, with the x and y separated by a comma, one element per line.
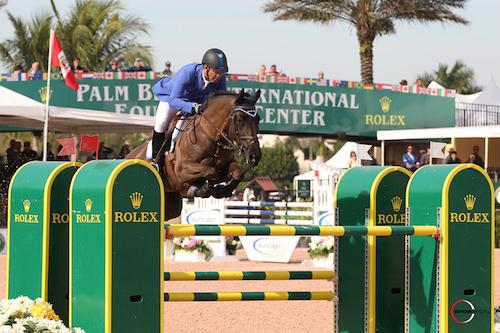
<point>412,162</point>
<point>35,73</point>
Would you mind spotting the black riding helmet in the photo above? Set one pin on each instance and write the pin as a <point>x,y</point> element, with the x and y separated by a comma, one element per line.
<point>215,59</point>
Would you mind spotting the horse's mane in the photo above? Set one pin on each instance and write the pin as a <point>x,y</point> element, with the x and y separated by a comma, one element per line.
<point>219,93</point>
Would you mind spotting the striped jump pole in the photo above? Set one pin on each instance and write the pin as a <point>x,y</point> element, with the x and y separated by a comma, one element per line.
<point>255,275</point>
<point>183,230</point>
<point>250,296</point>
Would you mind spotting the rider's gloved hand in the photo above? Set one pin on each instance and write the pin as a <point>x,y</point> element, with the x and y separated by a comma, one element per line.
<point>197,108</point>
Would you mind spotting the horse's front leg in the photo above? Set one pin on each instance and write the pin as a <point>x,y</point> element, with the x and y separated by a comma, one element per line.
<point>192,172</point>
<point>234,177</point>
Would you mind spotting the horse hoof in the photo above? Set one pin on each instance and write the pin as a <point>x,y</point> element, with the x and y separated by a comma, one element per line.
<point>191,193</point>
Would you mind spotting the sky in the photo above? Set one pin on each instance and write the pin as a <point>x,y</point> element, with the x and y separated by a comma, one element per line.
<point>181,30</point>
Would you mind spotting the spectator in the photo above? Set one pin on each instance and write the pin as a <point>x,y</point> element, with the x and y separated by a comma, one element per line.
<point>50,154</point>
<point>262,70</point>
<point>272,71</point>
<point>410,160</point>
<point>321,75</point>
<point>13,154</point>
<point>113,67</point>
<point>454,158</point>
<point>35,73</point>
<point>353,160</point>
<point>104,151</point>
<point>419,83</point>
<point>167,71</point>
<point>449,149</point>
<point>77,67</point>
<point>139,66</point>
<point>403,83</point>
<point>28,154</point>
<point>475,158</point>
<point>16,75</point>
<point>321,78</point>
<point>424,156</point>
<point>124,151</point>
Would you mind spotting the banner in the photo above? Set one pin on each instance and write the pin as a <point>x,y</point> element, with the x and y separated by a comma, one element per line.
<point>283,108</point>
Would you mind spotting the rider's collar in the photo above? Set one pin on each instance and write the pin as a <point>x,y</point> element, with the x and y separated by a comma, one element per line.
<point>252,113</point>
<point>205,81</point>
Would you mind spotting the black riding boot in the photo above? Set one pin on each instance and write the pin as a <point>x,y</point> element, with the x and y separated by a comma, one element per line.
<point>158,139</point>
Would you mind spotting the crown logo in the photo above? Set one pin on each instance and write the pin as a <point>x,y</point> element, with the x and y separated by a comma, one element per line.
<point>26,205</point>
<point>385,103</point>
<point>136,200</point>
<point>43,94</point>
<point>470,201</point>
<point>88,205</point>
<point>396,203</point>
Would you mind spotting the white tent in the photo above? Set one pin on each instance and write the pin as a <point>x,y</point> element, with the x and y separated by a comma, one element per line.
<point>490,95</point>
<point>21,111</point>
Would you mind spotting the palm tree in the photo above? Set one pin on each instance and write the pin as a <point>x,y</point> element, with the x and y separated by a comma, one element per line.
<point>458,77</point>
<point>370,18</point>
<point>30,42</point>
<point>97,32</point>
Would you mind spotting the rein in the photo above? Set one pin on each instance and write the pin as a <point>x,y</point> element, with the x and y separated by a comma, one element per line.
<point>230,145</point>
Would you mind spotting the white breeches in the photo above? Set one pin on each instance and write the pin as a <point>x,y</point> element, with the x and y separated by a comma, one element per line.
<point>164,114</point>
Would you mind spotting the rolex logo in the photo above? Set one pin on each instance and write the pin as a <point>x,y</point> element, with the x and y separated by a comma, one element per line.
<point>88,205</point>
<point>470,201</point>
<point>43,94</point>
<point>136,200</point>
<point>396,203</point>
<point>385,104</point>
<point>26,205</point>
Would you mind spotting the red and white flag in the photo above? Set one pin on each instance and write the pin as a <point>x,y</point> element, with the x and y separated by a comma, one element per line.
<point>68,146</point>
<point>59,60</point>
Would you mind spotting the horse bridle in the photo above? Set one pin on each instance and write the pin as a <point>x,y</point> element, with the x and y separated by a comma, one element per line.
<point>230,145</point>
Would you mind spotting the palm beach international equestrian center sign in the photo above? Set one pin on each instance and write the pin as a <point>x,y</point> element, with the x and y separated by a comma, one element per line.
<point>283,108</point>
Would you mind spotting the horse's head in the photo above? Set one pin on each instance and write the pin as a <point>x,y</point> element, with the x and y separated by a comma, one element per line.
<point>245,126</point>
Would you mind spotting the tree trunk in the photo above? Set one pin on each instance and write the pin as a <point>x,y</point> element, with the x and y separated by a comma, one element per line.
<point>366,58</point>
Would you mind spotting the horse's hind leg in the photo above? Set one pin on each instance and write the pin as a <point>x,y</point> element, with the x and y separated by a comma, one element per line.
<point>173,205</point>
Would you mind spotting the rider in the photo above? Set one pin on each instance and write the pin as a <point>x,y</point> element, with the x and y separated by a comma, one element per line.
<point>186,92</point>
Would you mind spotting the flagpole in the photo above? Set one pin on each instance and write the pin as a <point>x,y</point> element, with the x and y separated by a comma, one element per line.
<point>46,123</point>
<point>430,155</point>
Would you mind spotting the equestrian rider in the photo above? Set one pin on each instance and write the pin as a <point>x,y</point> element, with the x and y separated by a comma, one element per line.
<point>186,92</point>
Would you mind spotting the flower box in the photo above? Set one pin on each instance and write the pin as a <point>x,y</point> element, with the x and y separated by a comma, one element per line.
<point>323,261</point>
<point>189,256</point>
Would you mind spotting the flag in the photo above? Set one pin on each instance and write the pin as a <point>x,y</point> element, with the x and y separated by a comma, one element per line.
<point>68,146</point>
<point>89,143</point>
<point>59,59</point>
<point>437,149</point>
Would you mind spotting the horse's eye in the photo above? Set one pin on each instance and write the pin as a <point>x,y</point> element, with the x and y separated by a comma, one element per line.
<point>239,120</point>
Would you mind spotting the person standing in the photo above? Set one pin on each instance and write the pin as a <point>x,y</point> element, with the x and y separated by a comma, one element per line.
<point>475,157</point>
<point>410,161</point>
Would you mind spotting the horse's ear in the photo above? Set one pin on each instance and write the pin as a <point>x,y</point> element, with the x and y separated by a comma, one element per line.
<point>256,97</point>
<point>240,99</point>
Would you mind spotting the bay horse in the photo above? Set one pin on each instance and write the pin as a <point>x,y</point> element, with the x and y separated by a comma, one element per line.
<point>203,162</point>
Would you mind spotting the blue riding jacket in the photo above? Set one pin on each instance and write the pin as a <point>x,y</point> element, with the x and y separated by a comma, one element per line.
<point>186,88</point>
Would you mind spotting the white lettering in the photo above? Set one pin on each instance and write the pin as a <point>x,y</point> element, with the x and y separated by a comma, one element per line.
<point>317,98</point>
<point>95,94</point>
<point>144,92</point>
<point>270,112</point>
<point>82,89</point>
<point>318,118</point>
